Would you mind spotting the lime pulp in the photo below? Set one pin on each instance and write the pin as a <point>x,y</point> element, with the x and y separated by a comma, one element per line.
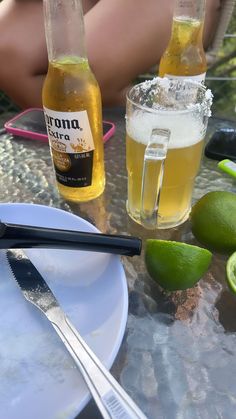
<point>231,272</point>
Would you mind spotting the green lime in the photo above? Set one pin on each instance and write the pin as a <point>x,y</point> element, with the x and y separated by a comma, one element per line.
<point>213,220</point>
<point>175,265</point>
<point>231,272</point>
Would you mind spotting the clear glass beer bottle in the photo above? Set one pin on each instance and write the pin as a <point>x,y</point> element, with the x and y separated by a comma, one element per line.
<point>184,55</point>
<point>72,104</point>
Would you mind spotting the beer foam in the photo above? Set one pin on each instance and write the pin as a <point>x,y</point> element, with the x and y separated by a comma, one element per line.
<point>186,129</point>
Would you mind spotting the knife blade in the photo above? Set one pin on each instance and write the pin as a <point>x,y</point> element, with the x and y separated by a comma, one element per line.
<point>13,236</point>
<point>111,399</point>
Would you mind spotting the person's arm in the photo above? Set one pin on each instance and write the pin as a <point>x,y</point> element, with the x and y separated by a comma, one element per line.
<point>213,11</point>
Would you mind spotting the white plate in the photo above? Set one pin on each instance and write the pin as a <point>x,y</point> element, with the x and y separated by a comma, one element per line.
<point>38,378</point>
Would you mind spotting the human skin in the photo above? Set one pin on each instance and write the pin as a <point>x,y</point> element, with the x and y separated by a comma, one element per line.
<point>124,38</point>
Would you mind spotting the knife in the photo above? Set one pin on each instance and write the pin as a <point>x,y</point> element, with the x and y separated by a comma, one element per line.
<point>112,401</point>
<point>22,236</point>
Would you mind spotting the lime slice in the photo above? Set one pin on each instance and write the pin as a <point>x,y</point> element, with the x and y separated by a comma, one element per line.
<point>231,272</point>
<point>175,265</point>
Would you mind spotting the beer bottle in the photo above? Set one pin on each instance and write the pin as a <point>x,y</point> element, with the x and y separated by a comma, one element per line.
<point>72,104</point>
<point>184,55</point>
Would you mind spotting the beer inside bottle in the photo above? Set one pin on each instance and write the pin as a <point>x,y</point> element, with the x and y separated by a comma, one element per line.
<point>72,107</point>
<point>184,55</point>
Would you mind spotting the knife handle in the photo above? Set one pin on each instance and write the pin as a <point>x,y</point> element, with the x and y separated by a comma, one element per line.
<point>16,236</point>
<point>112,401</point>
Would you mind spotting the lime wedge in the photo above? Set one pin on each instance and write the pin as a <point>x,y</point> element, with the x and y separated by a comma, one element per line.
<point>231,272</point>
<point>175,265</point>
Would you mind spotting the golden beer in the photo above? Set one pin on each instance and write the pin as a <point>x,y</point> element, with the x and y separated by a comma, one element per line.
<point>181,168</point>
<point>166,122</point>
<point>182,160</point>
<point>71,87</point>
<point>184,55</point>
<point>72,104</point>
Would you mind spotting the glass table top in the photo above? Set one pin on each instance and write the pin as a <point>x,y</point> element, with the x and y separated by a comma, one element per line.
<point>178,357</point>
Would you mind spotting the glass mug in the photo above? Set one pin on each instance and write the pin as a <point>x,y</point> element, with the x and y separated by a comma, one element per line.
<point>166,122</point>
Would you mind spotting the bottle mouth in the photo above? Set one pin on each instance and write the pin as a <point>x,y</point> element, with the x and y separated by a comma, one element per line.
<point>190,10</point>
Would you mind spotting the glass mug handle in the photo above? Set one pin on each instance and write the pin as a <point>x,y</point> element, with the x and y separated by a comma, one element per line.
<point>153,171</point>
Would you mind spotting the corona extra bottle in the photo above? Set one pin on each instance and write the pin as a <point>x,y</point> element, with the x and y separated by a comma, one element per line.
<point>72,104</point>
<point>184,55</point>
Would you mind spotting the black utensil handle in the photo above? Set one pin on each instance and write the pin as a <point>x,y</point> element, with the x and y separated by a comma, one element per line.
<point>22,236</point>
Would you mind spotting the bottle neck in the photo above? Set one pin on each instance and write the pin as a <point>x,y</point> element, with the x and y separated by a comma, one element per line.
<point>64,29</point>
<point>193,9</point>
